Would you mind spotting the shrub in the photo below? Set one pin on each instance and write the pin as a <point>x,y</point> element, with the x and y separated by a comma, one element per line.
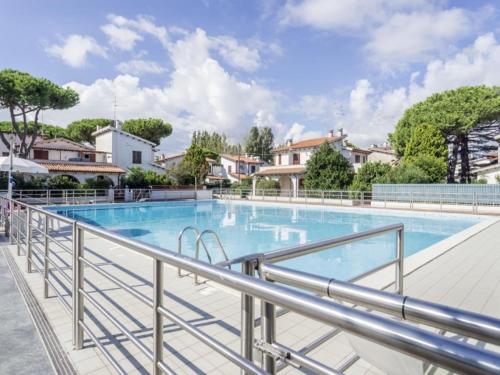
<point>328,169</point>
<point>267,184</point>
<point>405,173</point>
<point>98,183</point>
<point>369,173</point>
<point>62,182</point>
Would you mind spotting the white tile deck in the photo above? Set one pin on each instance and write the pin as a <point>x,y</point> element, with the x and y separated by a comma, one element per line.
<point>466,277</point>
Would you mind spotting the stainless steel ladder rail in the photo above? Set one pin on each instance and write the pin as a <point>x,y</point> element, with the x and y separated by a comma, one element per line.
<point>199,239</point>
<point>179,244</point>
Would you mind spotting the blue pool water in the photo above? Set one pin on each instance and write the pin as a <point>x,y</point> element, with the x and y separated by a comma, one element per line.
<point>246,228</point>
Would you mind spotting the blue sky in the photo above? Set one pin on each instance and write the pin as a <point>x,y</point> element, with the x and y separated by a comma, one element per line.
<point>299,66</point>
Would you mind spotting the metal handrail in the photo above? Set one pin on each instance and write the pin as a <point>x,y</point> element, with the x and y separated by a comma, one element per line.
<point>199,239</point>
<point>478,326</point>
<point>179,243</point>
<point>456,356</point>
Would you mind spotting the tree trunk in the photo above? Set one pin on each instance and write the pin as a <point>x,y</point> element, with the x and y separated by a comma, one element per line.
<point>464,160</point>
<point>452,161</point>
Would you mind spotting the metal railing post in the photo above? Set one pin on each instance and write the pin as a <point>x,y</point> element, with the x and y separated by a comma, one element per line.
<point>157,316</point>
<point>28,238</point>
<point>247,315</point>
<point>268,331</point>
<point>78,309</point>
<point>46,257</point>
<point>17,230</point>
<point>400,260</point>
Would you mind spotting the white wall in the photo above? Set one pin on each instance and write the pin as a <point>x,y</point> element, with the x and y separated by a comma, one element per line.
<point>380,156</point>
<point>173,162</point>
<point>490,175</point>
<point>120,146</point>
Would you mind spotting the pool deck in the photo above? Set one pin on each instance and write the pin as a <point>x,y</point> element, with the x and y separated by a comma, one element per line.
<point>466,276</point>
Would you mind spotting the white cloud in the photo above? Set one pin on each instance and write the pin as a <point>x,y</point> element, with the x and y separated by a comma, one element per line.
<point>397,33</point>
<point>236,54</point>
<point>343,15</point>
<point>142,24</point>
<point>121,37</point>
<point>139,67</point>
<point>474,65</point>
<point>412,37</point>
<point>75,49</point>
<point>199,95</point>
<point>298,132</point>
<point>359,100</point>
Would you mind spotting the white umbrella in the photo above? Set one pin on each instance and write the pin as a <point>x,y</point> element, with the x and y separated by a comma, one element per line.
<point>12,164</point>
<point>21,166</point>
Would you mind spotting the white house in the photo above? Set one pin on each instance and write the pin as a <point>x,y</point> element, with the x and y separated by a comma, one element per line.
<point>290,160</point>
<point>491,172</point>
<point>357,157</point>
<point>238,167</point>
<point>169,162</point>
<point>64,157</point>
<point>382,153</point>
<point>126,150</point>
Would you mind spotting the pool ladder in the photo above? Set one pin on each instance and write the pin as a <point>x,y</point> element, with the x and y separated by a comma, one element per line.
<point>199,241</point>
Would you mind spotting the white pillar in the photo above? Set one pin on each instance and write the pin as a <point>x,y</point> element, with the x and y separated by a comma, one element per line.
<point>254,184</point>
<point>295,186</point>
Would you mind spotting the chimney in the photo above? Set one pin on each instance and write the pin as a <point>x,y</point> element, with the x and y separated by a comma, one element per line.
<point>330,133</point>
<point>98,127</point>
<point>373,145</point>
<point>289,142</point>
<point>340,132</point>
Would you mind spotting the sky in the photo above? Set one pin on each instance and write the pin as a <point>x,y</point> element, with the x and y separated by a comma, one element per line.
<point>301,67</point>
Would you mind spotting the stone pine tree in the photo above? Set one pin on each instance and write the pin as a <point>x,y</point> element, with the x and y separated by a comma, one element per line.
<point>81,130</point>
<point>24,97</point>
<point>427,149</point>
<point>467,117</point>
<point>328,169</point>
<point>152,129</point>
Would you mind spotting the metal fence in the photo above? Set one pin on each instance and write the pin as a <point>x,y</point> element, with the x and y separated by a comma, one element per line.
<point>41,235</point>
<point>471,199</point>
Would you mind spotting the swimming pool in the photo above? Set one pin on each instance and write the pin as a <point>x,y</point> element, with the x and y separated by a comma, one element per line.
<point>250,227</point>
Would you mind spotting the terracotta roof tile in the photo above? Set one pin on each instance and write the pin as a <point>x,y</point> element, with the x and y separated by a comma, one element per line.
<point>241,176</point>
<point>306,143</point>
<point>82,167</point>
<point>61,144</point>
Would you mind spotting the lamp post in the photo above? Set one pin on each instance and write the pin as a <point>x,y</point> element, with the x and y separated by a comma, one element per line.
<point>11,162</point>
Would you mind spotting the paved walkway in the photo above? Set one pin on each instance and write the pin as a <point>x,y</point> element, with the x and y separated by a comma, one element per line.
<point>466,276</point>
<point>21,351</point>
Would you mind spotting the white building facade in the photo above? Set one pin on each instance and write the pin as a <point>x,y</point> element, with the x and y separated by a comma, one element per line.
<point>126,150</point>
<point>290,160</point>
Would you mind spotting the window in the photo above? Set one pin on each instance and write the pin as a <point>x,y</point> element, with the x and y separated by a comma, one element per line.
<point>279,159</point>
<point>41,154</point>
<point>229,169</point>
<point>357,159</point>
<point>252,169</point>
<point>5,153</point>
<point>136,157</point>
<point>296,159</point>
<point>364,159</point>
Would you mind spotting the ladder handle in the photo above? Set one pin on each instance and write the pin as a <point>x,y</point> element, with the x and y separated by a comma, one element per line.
<point>209,231</point>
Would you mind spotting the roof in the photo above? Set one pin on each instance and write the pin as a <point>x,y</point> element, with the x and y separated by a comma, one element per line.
<point>241,158</point>
<point>307,143</point>
<point>81,167</point>
<point>240,176</point>
<point>281,170</point>
<point>61,144</point>
<point>113,129</point>
<point>360,150</point>
<point>382,150</point>
<point>170,157</point>
<point>488,168</point>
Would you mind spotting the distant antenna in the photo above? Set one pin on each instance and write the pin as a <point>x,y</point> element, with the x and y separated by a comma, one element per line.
<point>114,112</point>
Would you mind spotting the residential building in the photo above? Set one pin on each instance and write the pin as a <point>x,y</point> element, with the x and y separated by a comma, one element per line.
<point>169,162</point>
<point>238,167</point>
<point>290,159</point>
<point>383,153</point>
<point>126,150</point>
<point>64,157</point>
<point>358,157</point>
<point>491,171</point>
